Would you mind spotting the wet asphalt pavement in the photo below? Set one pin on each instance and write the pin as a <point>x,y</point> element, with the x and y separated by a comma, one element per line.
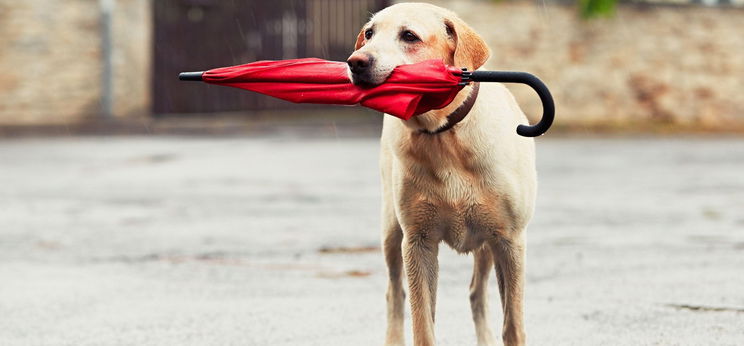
<point>275,241</point>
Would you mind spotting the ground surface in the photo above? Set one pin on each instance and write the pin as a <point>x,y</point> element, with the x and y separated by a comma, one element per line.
<point>274,241</point>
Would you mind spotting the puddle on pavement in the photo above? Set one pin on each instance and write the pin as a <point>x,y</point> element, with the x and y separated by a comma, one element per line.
<point>704,308</point>
<point>346,274</point>
<point>348,250</point>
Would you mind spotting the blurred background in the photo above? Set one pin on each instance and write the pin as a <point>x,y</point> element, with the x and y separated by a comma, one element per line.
<point>643,65</point>
<point>137,209</point>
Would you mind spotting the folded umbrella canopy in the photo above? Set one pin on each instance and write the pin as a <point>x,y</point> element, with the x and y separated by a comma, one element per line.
<point>410,89</point>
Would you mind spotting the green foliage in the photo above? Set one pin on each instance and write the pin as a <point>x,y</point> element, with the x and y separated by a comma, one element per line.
<point>589,9</point>
<point>596,8</point>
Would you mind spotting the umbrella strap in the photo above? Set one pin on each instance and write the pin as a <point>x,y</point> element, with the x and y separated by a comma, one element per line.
<point>458,114</point>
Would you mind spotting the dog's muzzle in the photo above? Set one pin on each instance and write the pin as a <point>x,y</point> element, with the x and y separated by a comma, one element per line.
<point>360,65</point>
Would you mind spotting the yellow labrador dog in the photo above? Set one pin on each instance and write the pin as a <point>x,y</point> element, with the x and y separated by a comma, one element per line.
<point>458,174</point>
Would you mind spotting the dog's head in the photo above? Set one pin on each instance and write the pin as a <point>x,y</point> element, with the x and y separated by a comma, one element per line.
<point>409,33</point>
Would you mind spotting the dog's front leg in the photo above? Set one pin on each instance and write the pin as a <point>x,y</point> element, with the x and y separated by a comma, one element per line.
<point>420,252</point>
<point>508,256</point>
<point>392,238</point>
<point>391,246</point>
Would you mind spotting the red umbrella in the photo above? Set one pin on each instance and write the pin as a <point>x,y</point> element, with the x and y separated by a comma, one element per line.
<point>409,90</point>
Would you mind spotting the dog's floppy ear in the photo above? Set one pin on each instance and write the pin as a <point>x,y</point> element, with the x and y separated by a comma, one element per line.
<point>470,49</point>
<point>360,40</point>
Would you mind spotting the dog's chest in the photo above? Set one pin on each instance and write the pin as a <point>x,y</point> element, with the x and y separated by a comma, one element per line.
<point>461,214</point>
<point>455,198</point>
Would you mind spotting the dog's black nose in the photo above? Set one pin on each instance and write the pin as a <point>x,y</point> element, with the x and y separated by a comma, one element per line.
<point>359,63</point>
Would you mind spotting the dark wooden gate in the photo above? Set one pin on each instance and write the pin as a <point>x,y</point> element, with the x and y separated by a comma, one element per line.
<point>202,34</point>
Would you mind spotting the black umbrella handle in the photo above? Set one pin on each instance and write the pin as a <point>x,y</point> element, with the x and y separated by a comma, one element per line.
<point>524,78</point>
<point>191,76</point>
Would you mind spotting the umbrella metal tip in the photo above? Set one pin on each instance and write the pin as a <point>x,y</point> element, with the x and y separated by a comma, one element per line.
<point>191,76</point>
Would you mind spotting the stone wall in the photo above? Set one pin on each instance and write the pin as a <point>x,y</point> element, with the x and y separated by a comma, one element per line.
<point>50,59</point>
<point>679,65</point>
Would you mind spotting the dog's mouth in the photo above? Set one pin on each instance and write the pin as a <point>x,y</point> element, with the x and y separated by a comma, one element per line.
<point>363,80</point>
<point>369,78</point>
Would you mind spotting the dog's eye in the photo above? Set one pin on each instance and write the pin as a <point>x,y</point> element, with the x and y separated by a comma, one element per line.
<point>409,36</point>
<point>368,34</point>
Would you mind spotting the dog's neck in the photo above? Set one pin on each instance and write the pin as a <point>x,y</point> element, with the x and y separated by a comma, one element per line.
<point>459,113</point>
<point>441,120</point>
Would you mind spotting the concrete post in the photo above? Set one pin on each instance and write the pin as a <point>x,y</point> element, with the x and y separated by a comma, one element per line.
<point>107,73</point>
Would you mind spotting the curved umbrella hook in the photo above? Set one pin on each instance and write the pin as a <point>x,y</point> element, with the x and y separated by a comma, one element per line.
<point>524,78</point>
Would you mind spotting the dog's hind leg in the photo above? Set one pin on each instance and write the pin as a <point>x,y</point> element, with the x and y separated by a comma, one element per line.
<point>483,264</point>
<point>508,255</point>
<point>391,247</point>
<point>422,270</point>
